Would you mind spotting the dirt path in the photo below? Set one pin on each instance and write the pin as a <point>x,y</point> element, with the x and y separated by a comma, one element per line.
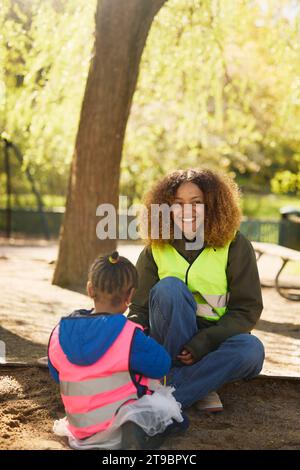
<point>30,307</point>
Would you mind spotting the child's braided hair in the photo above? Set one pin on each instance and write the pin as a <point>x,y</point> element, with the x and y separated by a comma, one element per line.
<point>113,274</point>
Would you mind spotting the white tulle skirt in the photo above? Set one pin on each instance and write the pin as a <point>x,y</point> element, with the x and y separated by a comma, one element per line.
<point>153,413</point>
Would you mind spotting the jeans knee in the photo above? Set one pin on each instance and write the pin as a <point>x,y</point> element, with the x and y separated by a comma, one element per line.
<point>171,297</point>
<point>251,353</point>
<point>168,287</point>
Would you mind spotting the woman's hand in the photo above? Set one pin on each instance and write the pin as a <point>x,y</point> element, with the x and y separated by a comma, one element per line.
<point>186,358</point>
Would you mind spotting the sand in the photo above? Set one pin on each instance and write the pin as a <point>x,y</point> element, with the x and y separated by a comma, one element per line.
<point>262,413</point>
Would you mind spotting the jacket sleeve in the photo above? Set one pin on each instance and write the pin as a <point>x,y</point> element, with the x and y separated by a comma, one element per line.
<point>148,357</point>
<point>148,277</point>
<point>53,371</point>
<point>245,300</point>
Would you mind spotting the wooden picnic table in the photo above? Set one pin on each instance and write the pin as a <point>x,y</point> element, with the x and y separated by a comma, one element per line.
<point>286,255</point>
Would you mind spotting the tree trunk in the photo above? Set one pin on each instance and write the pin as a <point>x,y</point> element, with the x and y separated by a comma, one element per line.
<point>122,27</point>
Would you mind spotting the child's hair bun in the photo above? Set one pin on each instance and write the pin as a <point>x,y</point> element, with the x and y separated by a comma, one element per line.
<point>114,257</point>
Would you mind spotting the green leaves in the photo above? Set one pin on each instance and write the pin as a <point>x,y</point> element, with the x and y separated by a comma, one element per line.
<point>286,182</point>
<point>218,86</point>
<point>220,81</point>
<point>45,54</point>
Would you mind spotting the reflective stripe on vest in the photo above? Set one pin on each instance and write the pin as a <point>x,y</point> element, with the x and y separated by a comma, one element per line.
<point>216,301</point>
<point>99,415</point>
<point>205,277</point>
<point>94,386</point>
<point>92,394</point>
<point>205,310</point>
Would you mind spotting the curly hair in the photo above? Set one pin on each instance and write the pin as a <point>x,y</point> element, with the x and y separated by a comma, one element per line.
<point>222,213</point>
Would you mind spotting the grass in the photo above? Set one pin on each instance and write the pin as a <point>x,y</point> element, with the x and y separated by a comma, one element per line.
<point>28,201</point>
<point>266,206</point>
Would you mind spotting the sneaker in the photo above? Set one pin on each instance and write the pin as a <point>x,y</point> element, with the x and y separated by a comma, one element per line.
<point>135,438</point>
<point>177,428</point>
<point>210,404</point>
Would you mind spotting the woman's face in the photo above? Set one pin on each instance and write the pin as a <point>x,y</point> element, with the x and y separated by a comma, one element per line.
<point>190,216</point>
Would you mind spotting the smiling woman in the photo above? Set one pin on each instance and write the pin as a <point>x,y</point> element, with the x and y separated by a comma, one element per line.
<point>218,193</point>
<point>200,304</point>
<point>189,197</point>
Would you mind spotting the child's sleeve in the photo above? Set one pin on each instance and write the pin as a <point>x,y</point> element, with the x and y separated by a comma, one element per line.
<point>148,357</point>
<point>53,371</point>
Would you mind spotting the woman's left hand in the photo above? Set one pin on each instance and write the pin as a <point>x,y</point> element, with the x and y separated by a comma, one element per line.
<point>186,357</point>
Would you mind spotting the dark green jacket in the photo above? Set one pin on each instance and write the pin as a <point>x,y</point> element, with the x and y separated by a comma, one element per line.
<point>245,300</point>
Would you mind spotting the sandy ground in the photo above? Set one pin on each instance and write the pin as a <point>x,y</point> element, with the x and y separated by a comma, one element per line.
<point>262,413</point>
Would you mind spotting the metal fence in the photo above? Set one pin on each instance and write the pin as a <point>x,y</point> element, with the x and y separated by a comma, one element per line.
<point>28,222</point>
<point>261,230</point>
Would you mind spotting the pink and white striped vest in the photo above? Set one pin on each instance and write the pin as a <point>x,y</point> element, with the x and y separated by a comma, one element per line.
<point>93,394</point>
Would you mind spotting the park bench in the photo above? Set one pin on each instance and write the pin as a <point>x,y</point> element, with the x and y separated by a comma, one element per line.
<point>286,255</point>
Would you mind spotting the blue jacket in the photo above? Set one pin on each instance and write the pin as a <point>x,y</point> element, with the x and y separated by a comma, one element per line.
<point>85,338</point>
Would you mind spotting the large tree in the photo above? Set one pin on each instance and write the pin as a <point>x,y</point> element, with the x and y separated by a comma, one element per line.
<point>122,27</point>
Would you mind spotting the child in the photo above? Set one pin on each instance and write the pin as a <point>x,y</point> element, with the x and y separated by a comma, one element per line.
<point>104,363</point>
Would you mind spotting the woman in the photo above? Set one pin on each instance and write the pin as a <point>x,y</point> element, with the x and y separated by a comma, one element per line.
<point>201,304</point>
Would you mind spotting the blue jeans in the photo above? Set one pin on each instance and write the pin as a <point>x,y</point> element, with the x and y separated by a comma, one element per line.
<point>172,312</point>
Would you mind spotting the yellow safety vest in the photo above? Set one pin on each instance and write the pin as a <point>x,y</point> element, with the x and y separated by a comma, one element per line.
<point>205,277</point>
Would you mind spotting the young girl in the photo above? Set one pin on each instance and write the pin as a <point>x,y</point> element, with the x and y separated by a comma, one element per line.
<point>104,363</point>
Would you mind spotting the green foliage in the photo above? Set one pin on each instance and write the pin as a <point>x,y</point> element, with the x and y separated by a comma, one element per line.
<point>266,206</point>
<point>286,182</point>
<point>45,49</point>
<point>28,201</point>
<point>218,87</point>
